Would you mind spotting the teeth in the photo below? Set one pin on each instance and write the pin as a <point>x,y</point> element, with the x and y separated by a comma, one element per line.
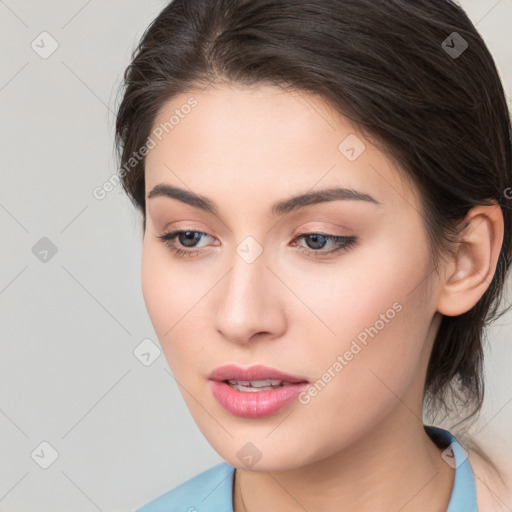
<point>249,389</point>
<point>257,385</point>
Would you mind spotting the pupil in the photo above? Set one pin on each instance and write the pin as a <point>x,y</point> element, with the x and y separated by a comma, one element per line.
<point>316,238</point>
<point>190,236</point>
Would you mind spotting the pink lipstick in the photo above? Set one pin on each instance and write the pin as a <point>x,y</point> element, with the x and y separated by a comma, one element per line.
<point>254,392</point>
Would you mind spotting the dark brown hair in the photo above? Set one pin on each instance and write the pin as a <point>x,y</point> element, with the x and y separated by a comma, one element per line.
<point>394,68</point>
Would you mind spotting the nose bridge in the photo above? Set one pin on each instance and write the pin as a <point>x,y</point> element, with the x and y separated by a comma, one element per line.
<point>245,306</point>
<point>244,279</point>
<point>248,264</point>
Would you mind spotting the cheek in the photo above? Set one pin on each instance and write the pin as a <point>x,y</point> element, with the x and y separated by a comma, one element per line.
<point>377,278</point>
<point>164,289</point>
<point>155,282</point>
<point>375,315</point>
<point>172,298</point>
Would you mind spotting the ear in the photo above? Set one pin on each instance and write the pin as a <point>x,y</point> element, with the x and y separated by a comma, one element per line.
<point>469,273</point>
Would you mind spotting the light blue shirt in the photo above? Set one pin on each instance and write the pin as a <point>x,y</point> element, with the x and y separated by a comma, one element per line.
<point>212,490</point>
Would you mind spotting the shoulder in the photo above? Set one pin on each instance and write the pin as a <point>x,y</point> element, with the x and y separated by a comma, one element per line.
<point>493,480</point>
<point>492,472</point>
<point>210,490</point>
<point>493,483</point>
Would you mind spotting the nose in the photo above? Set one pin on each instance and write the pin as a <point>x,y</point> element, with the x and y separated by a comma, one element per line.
<point>249,302</point>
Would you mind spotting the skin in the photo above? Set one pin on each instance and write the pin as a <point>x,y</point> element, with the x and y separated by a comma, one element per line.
<point>360,441</point>
<point>493,488</point>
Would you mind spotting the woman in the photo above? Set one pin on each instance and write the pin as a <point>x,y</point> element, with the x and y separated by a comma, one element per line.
<point>326,231</point>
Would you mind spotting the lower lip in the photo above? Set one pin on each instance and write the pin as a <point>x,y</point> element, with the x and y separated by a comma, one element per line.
<point>255,404</point>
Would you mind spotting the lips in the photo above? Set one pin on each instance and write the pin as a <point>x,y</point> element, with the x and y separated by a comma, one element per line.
<point>253,373</point>
<point>244,392</point>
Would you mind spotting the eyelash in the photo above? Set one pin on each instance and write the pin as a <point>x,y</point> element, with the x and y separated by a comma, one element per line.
<point>343,243</point>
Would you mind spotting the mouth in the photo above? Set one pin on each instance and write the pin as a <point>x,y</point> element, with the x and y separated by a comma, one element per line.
<point>255,376</point>
<point>252,386</point>
<point>254,392</point>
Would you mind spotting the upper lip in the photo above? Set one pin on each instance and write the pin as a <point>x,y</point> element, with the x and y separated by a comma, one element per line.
<point>256,372</point>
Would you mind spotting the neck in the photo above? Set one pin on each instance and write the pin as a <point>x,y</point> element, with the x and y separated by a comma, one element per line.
<point>395,466</point>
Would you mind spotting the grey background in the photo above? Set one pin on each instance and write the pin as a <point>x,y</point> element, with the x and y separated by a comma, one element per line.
<point>70,324</point>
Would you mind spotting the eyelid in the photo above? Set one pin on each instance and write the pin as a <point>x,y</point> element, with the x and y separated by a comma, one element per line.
<point>341,243</point>
<point>322,226</point>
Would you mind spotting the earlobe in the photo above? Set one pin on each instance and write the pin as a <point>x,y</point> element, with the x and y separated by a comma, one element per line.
<point>473,266</point>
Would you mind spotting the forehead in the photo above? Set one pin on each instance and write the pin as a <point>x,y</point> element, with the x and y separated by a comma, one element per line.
<point>265,138</point>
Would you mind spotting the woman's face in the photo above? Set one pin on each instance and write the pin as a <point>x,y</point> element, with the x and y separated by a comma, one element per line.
<point>252,289</point>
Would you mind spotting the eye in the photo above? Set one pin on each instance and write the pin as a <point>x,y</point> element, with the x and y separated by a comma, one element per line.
<point>189,238</point>
<point>338,243</point>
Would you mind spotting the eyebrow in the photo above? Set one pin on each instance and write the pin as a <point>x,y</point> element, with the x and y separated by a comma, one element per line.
<point>279,208</point>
